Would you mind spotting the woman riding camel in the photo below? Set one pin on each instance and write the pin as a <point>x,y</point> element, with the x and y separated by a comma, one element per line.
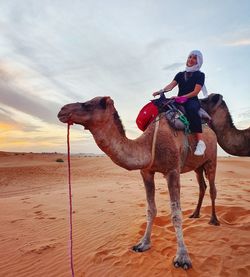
<point>190,82</point>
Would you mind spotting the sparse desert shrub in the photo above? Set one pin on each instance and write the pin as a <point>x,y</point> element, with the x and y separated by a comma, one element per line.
<point>59,160</point>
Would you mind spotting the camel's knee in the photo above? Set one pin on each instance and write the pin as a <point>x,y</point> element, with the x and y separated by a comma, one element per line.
<point>177,220</point>
<point>176,214</point>
<point>152,212</point>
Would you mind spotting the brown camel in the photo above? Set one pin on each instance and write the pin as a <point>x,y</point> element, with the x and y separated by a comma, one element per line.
<point>233,141</point>
<point>156,150</point>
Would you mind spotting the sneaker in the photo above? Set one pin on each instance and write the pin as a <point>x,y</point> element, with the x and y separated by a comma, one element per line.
<point>200,148</point>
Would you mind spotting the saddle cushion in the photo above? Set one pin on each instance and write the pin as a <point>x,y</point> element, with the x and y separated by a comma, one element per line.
<point>146,115</point>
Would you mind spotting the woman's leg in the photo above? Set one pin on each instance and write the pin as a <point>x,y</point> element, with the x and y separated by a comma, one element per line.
<point>192,109</point>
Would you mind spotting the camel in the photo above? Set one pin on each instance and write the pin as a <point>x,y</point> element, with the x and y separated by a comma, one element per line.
<point>158,149</point>
<point>233,141</point>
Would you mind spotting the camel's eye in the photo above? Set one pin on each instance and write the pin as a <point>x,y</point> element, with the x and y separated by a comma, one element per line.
<point>86,107</point>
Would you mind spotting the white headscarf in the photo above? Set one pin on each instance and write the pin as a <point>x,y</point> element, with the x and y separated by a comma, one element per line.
<point>197,67</point>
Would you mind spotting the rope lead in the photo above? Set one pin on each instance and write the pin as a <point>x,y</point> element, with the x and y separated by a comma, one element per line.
<point>70,206</point>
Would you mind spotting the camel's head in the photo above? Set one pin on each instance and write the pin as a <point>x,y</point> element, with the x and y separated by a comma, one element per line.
<point>211,103</point>
<point>96,111</point>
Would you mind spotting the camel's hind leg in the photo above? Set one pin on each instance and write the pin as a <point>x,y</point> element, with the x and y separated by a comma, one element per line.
<point>145,242</point>
<point>182,258</point>
<point>210,170</point>
<point>202,187</point>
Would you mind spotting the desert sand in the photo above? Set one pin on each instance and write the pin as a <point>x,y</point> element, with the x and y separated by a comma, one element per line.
<point>109,211</point>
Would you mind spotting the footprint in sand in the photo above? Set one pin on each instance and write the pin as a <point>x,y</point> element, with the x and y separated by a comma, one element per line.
<point>243,272</point>
<point>16,220</point>
<point>103,255</point>
<point>26,202</point>
<point>234,216</point>
<point>40,215</point>
<point>161,220</point>
<point>111,201</point>
<point>38,247</point>
<point>25,198</point>
<point>98,257</point>
<point>41,249</point>
<point>37,206</point>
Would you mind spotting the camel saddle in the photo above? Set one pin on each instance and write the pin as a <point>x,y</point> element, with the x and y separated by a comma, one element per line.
<point>175,114</point>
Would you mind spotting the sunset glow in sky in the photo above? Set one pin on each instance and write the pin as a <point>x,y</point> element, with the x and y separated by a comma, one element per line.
<point>58,52</point>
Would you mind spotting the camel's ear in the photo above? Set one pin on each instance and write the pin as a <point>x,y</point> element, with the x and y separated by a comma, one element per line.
<point>216,98</point>
<point>105,101</point>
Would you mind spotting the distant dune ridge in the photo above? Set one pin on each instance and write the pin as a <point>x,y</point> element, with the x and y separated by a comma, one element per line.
<point>109,210</point>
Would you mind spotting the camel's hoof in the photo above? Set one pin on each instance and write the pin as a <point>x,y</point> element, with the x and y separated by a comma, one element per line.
<point>141,247</point>
<point>182,261</point>
<point>214,221</point>
<point>194,215</point>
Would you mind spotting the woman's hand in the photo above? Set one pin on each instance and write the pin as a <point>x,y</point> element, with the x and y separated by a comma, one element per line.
<point>180,99</point>
<point>156,93</point>
<point>159,92</point>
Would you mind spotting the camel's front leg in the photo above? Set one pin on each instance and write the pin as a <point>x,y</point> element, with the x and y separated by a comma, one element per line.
<point>148,179</point>
<point>182,258</point>
<point>202,186</point>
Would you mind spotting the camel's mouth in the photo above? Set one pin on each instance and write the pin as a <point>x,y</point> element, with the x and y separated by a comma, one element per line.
<point>72,113</point>
<point>64,117</point>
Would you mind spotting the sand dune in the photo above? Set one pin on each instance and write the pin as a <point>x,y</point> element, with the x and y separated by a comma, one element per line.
<point>109,218</point>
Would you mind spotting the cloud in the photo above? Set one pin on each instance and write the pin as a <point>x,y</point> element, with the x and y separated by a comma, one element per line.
<point>245,114</point>
<point>11,122</point>
<point>237,37</point>
<point>32,106</point>
<point>158,43</point>
<point>173,66</point>
<point>242,118</point>
<point>239,42</point>
<point>21,95</point>
<point>77,62</point>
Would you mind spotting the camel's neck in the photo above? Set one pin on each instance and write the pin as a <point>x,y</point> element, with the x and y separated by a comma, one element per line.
<point>232,140</point>
<point>129,154</point>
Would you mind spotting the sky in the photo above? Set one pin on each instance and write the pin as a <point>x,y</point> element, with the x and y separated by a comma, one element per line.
<point>57,52</point>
